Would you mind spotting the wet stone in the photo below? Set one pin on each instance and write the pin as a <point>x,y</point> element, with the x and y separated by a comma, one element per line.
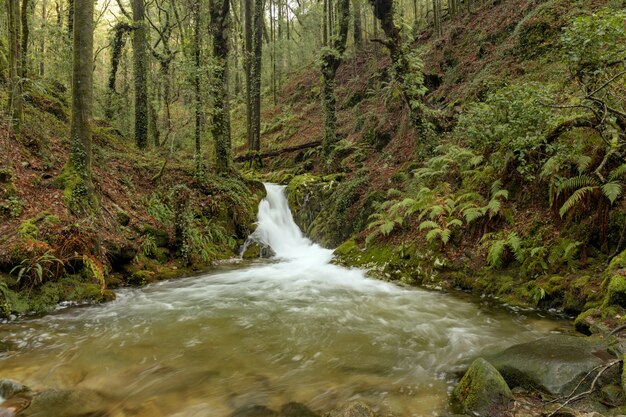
<point>254,411</point>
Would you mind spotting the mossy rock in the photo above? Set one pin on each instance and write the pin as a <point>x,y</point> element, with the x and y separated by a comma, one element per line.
<point>483,391</point>
<point>616,291</point>
<point>161,237</point>
<point>141,277</point>
<point>555,364</point>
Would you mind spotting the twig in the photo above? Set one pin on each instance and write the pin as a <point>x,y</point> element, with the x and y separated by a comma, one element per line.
<point>591,389</point>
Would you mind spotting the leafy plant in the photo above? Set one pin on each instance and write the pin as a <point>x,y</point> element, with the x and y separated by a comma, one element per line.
<point>33,271</point>
<point>149,245</point>
<point>586,185</point>
<point>499,248</point>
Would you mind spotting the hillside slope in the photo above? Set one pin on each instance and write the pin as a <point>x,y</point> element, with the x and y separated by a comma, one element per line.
<point>488,205</point>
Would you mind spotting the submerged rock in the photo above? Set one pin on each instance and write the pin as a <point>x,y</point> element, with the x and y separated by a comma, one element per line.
<point>354,409</point>
<point>56,402</point>
<point>10,388</point>
<point>296,410</point>
<point>554,364</point>
<point>254,411</point>
<point>482,391</point>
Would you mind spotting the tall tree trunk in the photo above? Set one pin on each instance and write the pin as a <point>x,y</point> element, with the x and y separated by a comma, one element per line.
<point>42,44</point>
<point>70,18</point>
<point>196,82</point>
<point>220,118</point>
<point>331,59</point>
<point>15,65</point>
<point>76,174</point>
<point>140,64</point>
<point>247,66</point>
<point>25,38</point>
<point>255,75</point>
<point>412,86</point>
<point>119,32</point>
<point>358,37</point>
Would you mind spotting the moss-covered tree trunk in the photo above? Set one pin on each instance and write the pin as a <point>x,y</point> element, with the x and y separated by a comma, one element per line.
<point>15,64</point>
<point>358,32</point>
<point>247,65</point>
<point>331,59</point>
<point>76,175</point>
<point>25,38</point>
<point>119,33</point>
<point>70,18</point>
<point>196,83</point>
<point>255,76</point>
<point>220,118</point>
<point>140,65</point>
<point>405,70</point>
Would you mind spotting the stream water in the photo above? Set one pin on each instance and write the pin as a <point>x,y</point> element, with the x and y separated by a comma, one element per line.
<point>293,328</point>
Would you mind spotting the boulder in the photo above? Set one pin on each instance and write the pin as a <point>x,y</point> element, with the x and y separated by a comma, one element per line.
<point>10,388</point>
<point>353,409</point>
<point>482,391</point>
<point>554,364</point>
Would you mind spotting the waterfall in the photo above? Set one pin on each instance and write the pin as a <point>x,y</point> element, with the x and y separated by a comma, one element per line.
<point>277,229</point>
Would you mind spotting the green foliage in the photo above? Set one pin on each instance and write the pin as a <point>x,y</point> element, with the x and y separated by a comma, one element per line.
<point>34,271</point>
<point>12,207</point>
<point>583,186</point>
<point>157,208</point>
<point>498,248</point>
<point>595,41</point>
<point>149,245</point>
<point>511,123</point>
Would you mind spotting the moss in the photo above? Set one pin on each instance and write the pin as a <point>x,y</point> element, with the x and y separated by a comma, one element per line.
<point>482,390</point>
<point>616,291</point>
<point>618,262</point>
<point>141,277</point>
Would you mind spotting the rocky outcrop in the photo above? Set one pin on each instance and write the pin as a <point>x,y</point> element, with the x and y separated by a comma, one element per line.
<point>555,364</point>
<point>482,391</point>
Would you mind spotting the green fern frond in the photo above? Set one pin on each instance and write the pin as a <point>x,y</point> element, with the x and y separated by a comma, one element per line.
<point>612,190</point>
<point>495,256</point>
<point>428,224</point>
<point>575,198</point>
<point>496,186</point>
<point>501,193</point>
<point>455,222</point>
<point>392,192</point>
<point>436,211</point>
<point>575,183</point>
<point>618,172</point>
<point>433,234</point>
<point>493,207</point>
<point>387,227</point>
<point>473,213</point>
<point>514,242</point>
<point>583,162</point>
<point>445,236</point>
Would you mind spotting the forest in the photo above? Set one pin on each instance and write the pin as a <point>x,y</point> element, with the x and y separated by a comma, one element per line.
<point>297,208</point>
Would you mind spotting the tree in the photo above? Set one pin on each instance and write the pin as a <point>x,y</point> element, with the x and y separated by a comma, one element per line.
<point>140,65</point>
<point>255,77</point>
<point>76,175</point>
<point>330,61</point>
<point>220,117</point>
<point>15,64</point>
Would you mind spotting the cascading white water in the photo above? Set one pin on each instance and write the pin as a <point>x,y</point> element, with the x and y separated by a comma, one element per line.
<point>277,229</point>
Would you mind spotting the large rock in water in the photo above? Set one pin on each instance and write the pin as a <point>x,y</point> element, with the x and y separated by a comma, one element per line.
<point>482,391</point>
<point>554,364</point>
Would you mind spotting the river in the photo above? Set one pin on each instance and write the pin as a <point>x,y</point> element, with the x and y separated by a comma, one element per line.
<point>291,328</point>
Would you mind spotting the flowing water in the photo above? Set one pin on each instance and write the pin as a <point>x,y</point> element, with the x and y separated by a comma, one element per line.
<point>293,328</point>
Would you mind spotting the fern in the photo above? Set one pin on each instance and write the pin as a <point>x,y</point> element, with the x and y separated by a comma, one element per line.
<point>612,190</point>
<point>495,255</point>
<point>575,199</point>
